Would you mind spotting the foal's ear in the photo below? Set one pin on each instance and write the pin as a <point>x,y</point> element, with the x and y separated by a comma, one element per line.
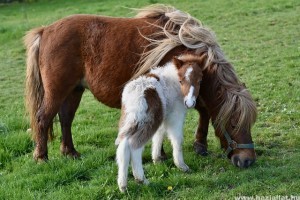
<point>177,62</point>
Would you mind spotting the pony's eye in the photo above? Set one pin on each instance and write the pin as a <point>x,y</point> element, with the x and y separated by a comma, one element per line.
<point>180,81</point>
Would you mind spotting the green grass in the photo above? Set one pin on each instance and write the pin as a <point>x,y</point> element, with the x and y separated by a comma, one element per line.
<point>262,40</point>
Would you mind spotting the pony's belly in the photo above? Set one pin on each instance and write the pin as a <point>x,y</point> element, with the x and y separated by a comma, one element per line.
<point>107,92</point>
<point>110,101</point>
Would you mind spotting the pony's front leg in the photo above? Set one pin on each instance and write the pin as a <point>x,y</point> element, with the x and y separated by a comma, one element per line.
<point>137,165</point>
<point>175,134</point>
<point>157,141</point>
<point>200,144</point>
<point>123,158</point>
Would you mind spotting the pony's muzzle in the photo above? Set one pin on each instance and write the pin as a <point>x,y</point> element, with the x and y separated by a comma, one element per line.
<point>242,162</point>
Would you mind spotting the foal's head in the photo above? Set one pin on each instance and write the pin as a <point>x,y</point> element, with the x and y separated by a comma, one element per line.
<point>190,76</point>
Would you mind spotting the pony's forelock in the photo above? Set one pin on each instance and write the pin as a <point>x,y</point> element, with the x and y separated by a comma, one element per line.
<point>236,104</point>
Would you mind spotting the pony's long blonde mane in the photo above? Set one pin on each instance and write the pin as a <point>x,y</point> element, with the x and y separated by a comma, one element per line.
<point>183,29</point>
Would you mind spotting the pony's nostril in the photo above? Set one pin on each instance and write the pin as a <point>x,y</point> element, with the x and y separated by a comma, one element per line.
<point>248,162</point>
<point>235,161</point>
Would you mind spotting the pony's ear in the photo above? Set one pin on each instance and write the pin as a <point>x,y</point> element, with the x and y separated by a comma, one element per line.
<point>177,62</point>
<point>202,59</point>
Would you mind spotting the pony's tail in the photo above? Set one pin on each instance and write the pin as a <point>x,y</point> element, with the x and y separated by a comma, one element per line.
<point>34,90</point>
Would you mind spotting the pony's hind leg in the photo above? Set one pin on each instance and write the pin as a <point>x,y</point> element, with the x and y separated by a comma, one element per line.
<point>45,116</point>
<point>66,116</point>
<point>123,158</point>
<point>137,165</point>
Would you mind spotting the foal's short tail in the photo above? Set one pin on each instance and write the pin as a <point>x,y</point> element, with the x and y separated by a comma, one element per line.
<point>138,134</point>
<point>34,91</point>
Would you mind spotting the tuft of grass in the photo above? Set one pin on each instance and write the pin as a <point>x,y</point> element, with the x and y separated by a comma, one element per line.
<point>261,38</point>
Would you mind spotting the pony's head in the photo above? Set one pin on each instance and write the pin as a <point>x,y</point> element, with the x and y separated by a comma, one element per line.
<point>233,112</point>
<point>235,133</point>
<point>190,76</point>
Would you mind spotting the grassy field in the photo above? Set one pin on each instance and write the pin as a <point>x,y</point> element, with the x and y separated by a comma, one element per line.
<point>260,37</point>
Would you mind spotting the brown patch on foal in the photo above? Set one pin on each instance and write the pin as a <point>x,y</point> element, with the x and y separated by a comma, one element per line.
<point>152,75</point>
<point>145,131</point>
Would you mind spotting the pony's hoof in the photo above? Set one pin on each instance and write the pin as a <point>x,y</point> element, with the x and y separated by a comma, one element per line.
<point>40,158</point>
<point>72,153</point>
<point>200,148</point>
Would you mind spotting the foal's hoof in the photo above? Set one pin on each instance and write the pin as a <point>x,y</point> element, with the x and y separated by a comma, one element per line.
<point>200,148</point>
<point>159,159</point>
<point>144,181</point>
<point>183,167</point>
<point>122,188</point>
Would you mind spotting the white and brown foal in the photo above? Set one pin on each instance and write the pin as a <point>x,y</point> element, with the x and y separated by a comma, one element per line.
<point>152,105</point>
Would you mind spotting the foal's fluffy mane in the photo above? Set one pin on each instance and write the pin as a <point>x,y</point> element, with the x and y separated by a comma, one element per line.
<point>183,29</point>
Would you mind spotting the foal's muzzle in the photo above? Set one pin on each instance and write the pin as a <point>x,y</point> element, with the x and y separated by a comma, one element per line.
<point>189,103</point>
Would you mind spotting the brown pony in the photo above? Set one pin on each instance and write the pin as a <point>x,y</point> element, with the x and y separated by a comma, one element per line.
<point>103,53</point>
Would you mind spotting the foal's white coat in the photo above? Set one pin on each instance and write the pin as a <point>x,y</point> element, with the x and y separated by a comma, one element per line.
<point>174,111</point>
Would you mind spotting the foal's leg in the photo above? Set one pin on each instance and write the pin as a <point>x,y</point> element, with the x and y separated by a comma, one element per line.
<point>123,158</point>
<point>176,140</point>
<point>200,144</point>
<point>137,165</point>
<point>66,116</point>
<point>157,141</point>
<point>175,133</point>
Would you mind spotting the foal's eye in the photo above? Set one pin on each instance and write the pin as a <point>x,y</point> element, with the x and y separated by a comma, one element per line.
<point>180,82</point>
